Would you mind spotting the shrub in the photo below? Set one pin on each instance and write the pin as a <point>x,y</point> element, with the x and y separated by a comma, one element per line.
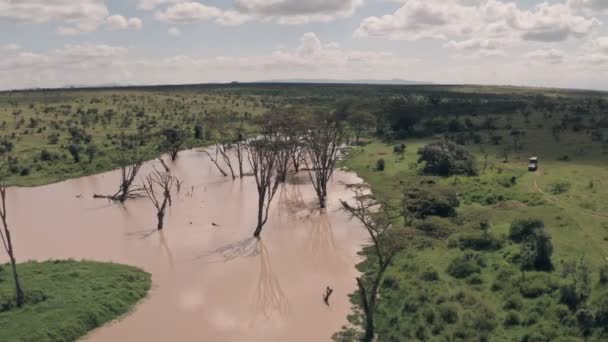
<point>446,158</point>
<point>449,313</point>
<point>435,226</point>
<point>430,200</point>
<point>464,266</point>
<point>380,164</point>
<point>559,188</point>
<point>513,302</point>
<point>430,274</point>
<point>603,274</point>
<point>537,285</point>
<point>512,319</point>
<point>521,229</point>
<point>479,241</point>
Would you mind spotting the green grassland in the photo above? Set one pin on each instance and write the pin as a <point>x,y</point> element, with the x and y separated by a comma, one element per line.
<point>66,299</point>
<point>37,122</point>
<point>421,301</point>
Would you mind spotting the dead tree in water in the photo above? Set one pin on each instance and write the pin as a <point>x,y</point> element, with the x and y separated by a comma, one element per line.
<point>7,242</point>
<point>322,144</point>
<point>214,160</point>
<point>158,186</point>
<point>263,161</point>
<point>387,241</point>
<point>130,164</point>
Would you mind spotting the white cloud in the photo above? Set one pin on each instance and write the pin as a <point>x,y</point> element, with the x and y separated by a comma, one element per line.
<point>10,47</point>
<point>118,22</point>
<point>589,6</point>
<point>550,56</point>
<point>188,12</point>
<point>298,11</point>
<point>95,64</point>
<point>279,11</point>
<point>74,17</point>
<point>153,4</point>
<point>417,19</point>
<point>174,31</point>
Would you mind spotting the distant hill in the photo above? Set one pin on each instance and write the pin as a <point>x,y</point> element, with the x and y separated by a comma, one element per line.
<point>394,81</point>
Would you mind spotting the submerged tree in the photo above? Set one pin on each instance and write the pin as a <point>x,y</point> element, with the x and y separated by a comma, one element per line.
<point>387,241</point>
<point>158,186</point>
<point>323,143</point>
<point>262,155</point>
<point>130,160</point>
<point>5,234</point>
<point>175,139</point>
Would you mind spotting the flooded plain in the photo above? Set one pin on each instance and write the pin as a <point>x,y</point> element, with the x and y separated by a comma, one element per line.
<point>211,280</point>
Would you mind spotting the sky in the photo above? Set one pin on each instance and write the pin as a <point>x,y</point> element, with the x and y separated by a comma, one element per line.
<point>56,43</point>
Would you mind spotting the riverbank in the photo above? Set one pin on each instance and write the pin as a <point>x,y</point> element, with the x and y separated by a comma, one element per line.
<point>64,300</point>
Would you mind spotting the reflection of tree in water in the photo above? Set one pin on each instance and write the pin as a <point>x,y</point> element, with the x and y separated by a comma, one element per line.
<point>291,200</point>
<point>269,298</point>
<point>244,248</point>
<point>323,248</point>
<point>165,246</point>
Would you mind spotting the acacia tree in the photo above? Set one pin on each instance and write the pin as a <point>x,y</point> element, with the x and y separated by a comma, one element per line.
<point>7,242</point>
<point>387,241</point>
<point>158,186</point>
<point>262,156</point>
<point>322,142</point>
<point>360,122</point>
<point>175,139</point>
<point>130,160</point>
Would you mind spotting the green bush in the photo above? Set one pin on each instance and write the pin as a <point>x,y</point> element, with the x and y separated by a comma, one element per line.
<point>512,319</point>
<point>536,285</point>
<point>446,158</point>
<point>559,188</point>
<point>430,200</point>
<point>464,266</point>
<point>430,274</point>
<point>521,229</point>
<point>449,313</point>
<point>479,241</point>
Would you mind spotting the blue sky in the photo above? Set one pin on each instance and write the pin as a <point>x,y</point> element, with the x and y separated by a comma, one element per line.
<point>53,43</point>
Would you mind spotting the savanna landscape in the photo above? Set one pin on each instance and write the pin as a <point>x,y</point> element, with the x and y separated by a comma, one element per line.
<point>458,239</point>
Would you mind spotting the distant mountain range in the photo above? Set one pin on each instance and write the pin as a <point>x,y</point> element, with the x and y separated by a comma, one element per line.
<point>394,81</point>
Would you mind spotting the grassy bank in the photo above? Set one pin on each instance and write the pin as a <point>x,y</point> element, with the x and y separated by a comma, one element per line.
<point>493,300</point>
<point>67,299</point>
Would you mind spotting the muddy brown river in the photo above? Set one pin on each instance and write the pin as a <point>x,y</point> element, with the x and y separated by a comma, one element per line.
<point>211,281</point>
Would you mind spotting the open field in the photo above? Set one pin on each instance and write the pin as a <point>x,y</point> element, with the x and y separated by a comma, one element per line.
<point>67,299</point>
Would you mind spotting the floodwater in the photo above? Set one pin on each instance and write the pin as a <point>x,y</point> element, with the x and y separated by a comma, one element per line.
<point>211,281</point>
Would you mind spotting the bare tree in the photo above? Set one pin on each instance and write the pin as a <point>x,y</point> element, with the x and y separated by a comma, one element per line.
<point>387,241</point>
<point>323,143</point>
<point>158,186</point>
<point>7,242</point>
<point>214,160</point>
<point>130,163</point>
<point>262,157</point>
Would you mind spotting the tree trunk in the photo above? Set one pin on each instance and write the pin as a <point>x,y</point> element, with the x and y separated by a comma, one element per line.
<point>161,220</point>
<point>18,290</point>
<point>174,155</point>
<point>258,229</point>
<point>322,200</point>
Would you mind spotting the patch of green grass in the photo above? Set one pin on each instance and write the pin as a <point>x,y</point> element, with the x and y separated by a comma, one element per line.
<point>67,299</point>
<point>494,301</point>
